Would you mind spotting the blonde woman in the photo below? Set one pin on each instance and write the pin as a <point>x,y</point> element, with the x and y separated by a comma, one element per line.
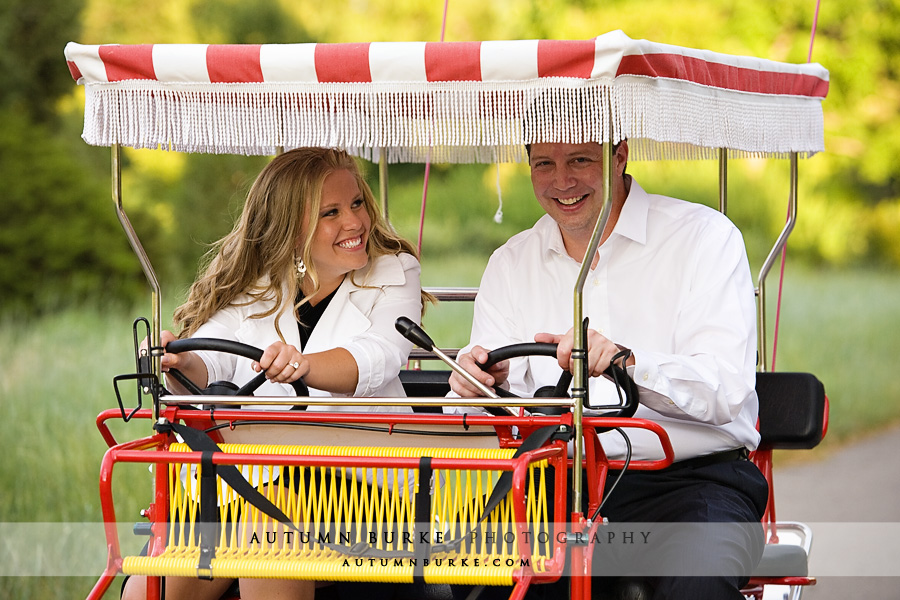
<point>312,274</point>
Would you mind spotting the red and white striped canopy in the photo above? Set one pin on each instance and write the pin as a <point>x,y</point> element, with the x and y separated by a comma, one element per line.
<point>450,101</point>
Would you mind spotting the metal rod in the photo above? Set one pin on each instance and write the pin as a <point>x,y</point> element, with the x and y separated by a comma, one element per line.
<point>175,400</point>
<point>417,354</point>
<point>579,384</point>
<point>723,180</point>
<point>454,294</point>
<point>383,182</point>
<point>149,273</point>
<point>767,266</point>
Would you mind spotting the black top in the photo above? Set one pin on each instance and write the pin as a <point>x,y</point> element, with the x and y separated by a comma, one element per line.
<point>309,316</point>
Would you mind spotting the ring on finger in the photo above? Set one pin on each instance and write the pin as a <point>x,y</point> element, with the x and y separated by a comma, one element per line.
<point>295,364</point>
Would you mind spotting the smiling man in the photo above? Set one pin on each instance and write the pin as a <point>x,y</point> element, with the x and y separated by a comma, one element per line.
<point>670,281</point>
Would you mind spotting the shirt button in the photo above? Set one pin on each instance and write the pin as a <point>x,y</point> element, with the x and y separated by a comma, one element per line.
<point>600,330</point>
<point>646,376</point>
<point>596,283</point>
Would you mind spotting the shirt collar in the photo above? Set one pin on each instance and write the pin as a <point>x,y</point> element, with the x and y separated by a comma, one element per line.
<point>548,230</point>
<point>632,222</point>
<point>380,271</point>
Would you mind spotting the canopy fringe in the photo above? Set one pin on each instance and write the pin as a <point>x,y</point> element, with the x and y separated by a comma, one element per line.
<point>456,121</point>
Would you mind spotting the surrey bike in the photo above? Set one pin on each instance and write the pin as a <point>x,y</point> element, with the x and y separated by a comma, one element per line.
<point>422,499</point>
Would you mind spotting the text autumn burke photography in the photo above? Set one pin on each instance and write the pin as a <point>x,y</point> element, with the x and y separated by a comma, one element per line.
<point>476,538</point>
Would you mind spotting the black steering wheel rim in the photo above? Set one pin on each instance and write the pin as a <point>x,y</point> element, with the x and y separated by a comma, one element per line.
<point>236,348</point>
<point>618,375</point>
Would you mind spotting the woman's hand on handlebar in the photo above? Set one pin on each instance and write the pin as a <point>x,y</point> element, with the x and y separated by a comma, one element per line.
<point>173,361</point>
<point>283,363</point>
<point>187,362</point>
<point>601,350</point>
<point>169,360</point>
<point>494,376</point>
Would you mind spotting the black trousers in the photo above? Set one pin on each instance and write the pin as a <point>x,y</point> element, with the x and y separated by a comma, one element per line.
<point>703,532</point>
<point>712,538</point>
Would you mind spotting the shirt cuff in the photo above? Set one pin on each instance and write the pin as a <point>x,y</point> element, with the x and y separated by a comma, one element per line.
<point>644,372</point>
<point>369,368</point>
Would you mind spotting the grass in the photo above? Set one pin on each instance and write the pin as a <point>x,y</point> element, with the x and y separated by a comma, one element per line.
<point>55,377</point>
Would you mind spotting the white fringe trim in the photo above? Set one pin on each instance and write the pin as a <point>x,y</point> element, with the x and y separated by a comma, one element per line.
<point>457,122</point>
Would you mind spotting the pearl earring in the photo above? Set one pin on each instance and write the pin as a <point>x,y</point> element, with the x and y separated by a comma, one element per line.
<point>301,267</point>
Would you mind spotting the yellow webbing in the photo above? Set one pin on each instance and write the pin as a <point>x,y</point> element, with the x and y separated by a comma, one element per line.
<point>346,505</point>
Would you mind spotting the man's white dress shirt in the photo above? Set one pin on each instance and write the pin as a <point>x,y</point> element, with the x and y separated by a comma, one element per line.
<point>672,284</point>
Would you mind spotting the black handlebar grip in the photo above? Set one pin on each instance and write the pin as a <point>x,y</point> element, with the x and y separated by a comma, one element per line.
<point>408,329</point>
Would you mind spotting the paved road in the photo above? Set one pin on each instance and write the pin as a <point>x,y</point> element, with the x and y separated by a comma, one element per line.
<point>851,497</point>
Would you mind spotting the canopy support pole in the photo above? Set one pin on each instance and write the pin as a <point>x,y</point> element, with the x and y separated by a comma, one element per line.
<point>149,273</point>
<point>579,350</point>
<point>383,182</point>
<point>723,180</point>
<point>767,266</point>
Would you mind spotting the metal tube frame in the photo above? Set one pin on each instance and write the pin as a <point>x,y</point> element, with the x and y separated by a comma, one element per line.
<point>579,350</point>
<point>383,182</point>
<point>149,273</point>
<point>780,243</point>
<point>723,181</point>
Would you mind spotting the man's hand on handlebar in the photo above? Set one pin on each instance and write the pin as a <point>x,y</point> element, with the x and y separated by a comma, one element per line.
<point>601,350</point>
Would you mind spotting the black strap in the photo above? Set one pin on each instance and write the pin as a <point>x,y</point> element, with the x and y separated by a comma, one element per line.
<point>422,528</point>
<point>209,517</point>
<point>534,441</point>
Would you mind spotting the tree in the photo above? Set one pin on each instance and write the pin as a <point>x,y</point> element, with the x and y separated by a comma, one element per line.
<point>60,242</point>
<point>33,34</point>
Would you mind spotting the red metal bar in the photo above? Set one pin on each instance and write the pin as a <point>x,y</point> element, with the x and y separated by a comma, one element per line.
<point>782,581</point>
<point>114,554</point>
<point>164,456</point>
<point>580,579</point>
<point>102,585</point>
<point>629,423</point>
<point>115,413</point>
<point>520,588</point>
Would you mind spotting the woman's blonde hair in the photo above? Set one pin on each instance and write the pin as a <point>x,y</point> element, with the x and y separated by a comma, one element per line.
<point>258,257</point>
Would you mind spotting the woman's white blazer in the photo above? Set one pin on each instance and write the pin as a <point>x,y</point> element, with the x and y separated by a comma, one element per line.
<point>360,318</point>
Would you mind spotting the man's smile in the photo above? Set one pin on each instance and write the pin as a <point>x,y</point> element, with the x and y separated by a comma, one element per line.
<point>571,201</point>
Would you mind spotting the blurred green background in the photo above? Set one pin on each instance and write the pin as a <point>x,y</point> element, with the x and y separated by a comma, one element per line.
<point>71,286</point>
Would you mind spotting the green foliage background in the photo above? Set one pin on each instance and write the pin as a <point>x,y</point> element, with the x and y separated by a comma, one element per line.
<point>57,239</point>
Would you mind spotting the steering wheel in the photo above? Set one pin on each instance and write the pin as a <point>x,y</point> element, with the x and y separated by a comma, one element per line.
<point>224,388</point>
<point>561,390</point>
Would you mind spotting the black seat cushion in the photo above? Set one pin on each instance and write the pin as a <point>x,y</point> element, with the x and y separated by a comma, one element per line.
<point>791,410</point>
